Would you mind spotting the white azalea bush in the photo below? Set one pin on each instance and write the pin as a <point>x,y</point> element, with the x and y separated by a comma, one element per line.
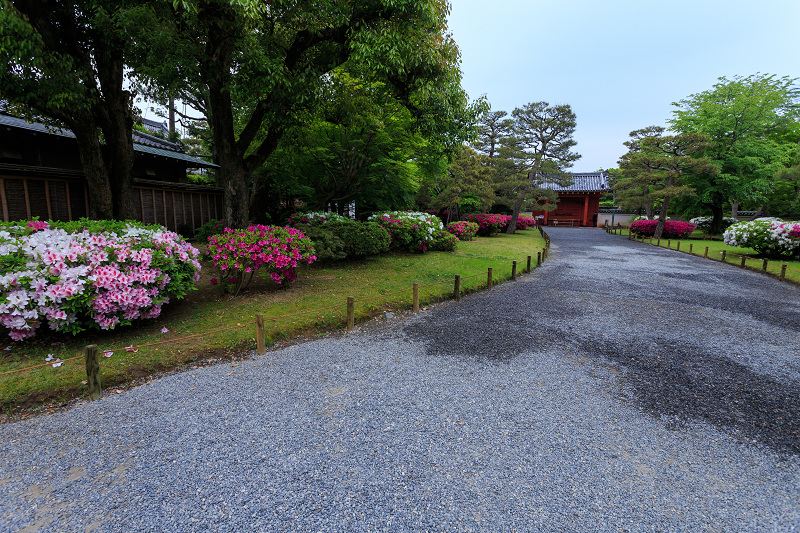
<point>768,236</point>
<point>704,223</point>
<point>89,274</point>
<point>412,231</point>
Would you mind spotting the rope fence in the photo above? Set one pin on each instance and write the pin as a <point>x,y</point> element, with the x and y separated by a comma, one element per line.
<point>724,253</point>
<point>91,351</point>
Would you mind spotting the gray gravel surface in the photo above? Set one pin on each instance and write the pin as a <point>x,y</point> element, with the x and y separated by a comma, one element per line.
<point>619,387</point>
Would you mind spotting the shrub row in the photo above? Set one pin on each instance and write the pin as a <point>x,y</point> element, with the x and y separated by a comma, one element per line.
<point>673,229</point>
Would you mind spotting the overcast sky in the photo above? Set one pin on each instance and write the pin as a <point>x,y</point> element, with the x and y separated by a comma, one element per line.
<point>619,63</point>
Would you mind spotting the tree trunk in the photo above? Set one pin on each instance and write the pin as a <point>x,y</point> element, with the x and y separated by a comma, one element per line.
<point>662,218</point>
<point>94,167</point>
<point>512,225</point>
<point>734,209</point>
<point>716,216</point>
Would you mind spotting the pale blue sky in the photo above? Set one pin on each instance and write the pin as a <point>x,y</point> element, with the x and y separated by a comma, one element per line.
<point>618,63</point>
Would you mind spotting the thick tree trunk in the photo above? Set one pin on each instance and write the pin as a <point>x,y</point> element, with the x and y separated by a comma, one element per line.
<point>662,219</point>
<point>716,216</point>
<point>512,226</point>
<point>734,209</point>
<point>94,167</point>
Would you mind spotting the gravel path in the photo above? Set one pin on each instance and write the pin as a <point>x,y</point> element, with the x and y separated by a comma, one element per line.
<point>619,387</point>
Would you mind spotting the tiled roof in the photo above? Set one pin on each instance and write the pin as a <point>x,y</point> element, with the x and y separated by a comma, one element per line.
<point>583,182</point>
<point>142,142</point>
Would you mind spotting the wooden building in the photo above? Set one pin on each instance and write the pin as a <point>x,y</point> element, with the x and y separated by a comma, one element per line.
<point>579,203</point>
<point>41,176</point>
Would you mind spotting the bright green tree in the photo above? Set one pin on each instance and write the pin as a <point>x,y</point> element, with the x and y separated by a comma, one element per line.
<point>257,70</point>
<point>752,123</point>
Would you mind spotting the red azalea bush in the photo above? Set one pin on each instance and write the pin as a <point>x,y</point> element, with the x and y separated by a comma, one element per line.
<point>525,222</point>
<point>465,231</point>
<point>673,229</point>
<point>489,224</point>
<point>237,252</point>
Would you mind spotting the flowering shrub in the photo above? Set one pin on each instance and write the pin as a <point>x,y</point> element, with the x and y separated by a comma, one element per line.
<point>316,218</point>
<point>443,241</point>
<point>212,227</point>
<point>673,229</point>
<point>464,230</point>
<point>770,237</point>
<point>89,274</point>
<point>488,224</point>
<point>408,230</point>
<point>525,222</point>
<point>704,223</point>
<point>237,252</point>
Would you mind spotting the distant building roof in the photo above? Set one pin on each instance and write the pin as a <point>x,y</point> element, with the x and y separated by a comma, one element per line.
<point>142,142</point>
<point>583,182</point>
<point>155,126</point>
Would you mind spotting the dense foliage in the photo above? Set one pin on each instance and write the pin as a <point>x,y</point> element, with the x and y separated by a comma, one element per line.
<point>360,238</point>
<point>704,223</point>
<point>463,230</point>
<point>89,274</point>
<point>770,237</point>
<point>488,224</point>
<point>409,231</point>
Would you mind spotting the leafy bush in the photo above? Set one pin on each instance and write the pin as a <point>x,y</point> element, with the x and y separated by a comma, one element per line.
<point>465,231</point>
<point>212,227</point>
<point>327,245</point>
<point>770,237</point>
<point>360,238</point>
<point>237,252</point>
<point>704,223</point>
<point>525,222</point>
<point>316,218</point>
<point>489,224</point>
<point>89,274</point>
<point>673,229</point>
<point>410,231</point>
<point>443,241</point>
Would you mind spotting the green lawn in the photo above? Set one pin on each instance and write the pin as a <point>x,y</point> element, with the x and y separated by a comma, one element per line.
<point>733,254</point>
<point>315,303</point>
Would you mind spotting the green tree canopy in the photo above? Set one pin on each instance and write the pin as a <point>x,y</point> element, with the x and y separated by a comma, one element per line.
<point>256,70</point>
<point>752,123</point>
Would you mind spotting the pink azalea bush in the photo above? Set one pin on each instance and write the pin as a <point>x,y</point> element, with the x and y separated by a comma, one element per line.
<point>489,224</point>
<point>673,229</point>
<point>769,236</point>
<point>465,231</point>
<point>89,274</point>
<point>525,222</point>
<point>239,252</point>
<point>409,230</point>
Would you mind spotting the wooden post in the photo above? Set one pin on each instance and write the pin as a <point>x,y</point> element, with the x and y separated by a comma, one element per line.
<point>651,240</point>
<point>658,242</point>
<point>764,266</point>
<point>261,346</point>
<point>489,279</point>
<point>744,261</point>
<point>93,373</point>
<point>783,271</point>
<point>351,313</point>
<point>679,246</point>
<point>457,288</point>
<point>538,259</point>
<point>630,235</point>
<point>513,270</point>
<point>724,252</point>
<point>705,255</point>
<point>415,292</point>
<point>529,265</point>
<point>669,244</point>
<point>691,246</point>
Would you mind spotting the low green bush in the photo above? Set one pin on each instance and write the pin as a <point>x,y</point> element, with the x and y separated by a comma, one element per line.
<point>443,241</point>
<point>327,245</point>
<point>360,238</point>
<point>212,227</point>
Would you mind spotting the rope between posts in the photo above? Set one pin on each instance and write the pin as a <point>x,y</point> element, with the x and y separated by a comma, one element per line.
<point>237,326</point>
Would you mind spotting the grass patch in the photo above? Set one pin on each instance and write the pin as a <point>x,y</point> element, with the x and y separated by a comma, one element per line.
<point>314,304</point>
<point>732,255</point>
